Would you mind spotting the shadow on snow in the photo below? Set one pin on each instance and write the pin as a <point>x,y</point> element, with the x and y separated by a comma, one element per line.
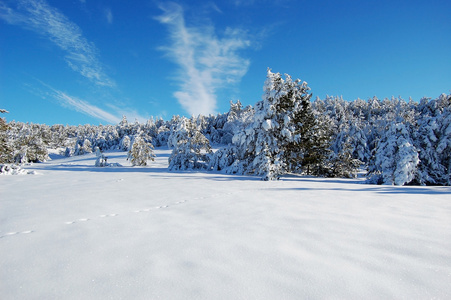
<point>75,164</point>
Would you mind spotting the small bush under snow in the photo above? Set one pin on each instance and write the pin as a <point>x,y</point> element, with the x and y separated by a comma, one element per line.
<point>6,169</point>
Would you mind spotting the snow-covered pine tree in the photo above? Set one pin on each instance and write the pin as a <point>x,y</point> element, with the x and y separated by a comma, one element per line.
<point>285,135</point>
<point>433,138</point>
<point>256,145</point>
<point>87,146</point>
<point>125,143</point>
<point>124,128</point>
<point>395,159</point>
<point>30,148</point>
<point>234,111</point>
<point>101,160</point>
<point>57,136</point>
<point>235,121</point>
<point>340,161</point>
<point>222,159</point>
<point>162,137</point>
<point>427,136</point>
<point>5,147</point>
<point>444,144</point>
<point>77,148</point>
<point>342,164</point>
<point>314,143</point>
<point>191,148</point>
<point>68,152</point>
<point>83,147</point>
<point>141,151</point>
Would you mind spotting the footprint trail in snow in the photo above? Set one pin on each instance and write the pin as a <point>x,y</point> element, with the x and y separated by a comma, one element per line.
<point>104,216</point>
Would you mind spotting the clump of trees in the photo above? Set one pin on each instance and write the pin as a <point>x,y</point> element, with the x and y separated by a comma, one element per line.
<point>283,136</point>
<point>396,141</point>
<point>191,148</point>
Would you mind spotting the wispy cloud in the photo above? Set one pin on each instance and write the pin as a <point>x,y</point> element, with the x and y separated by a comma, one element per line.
<point>109,15</point>
<point>39,16</point>
<point>85,107</point>
<point>43,90</point>
<point>111,114</point>
<point>206,62</point>
<point>260,2</point>
<point>243,2</point>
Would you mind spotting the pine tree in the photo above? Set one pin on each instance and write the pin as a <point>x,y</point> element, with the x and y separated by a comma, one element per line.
<point>444,145</point>
<point>83,147</point>
<point>125,143</point>
<point>30,148</point>
<point>87,146</point>
<point>342,164</point>
<point>222,159</point>
<point>285,135</point>
<point>140,152</point>
<point>5,147</point>
<point>191,148</point>
<point>101,160</point>
<point>433,138</point>
<point>395,158</point>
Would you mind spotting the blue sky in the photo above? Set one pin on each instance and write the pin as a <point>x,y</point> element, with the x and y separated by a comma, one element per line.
<point>92,61</point>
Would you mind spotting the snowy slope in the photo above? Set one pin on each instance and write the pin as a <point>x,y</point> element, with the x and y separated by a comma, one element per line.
<point>73,231</point>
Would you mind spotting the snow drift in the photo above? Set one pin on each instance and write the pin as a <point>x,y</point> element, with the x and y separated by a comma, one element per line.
<point>83,232</point>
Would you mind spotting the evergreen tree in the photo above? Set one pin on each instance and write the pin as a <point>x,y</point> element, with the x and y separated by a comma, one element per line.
<point>444,145</point>
<point>140,152</point>
<point>125,143</point>
<point>101,160</point>
<point>191,148</point>
<point>395,158</point>
<point>285,136</point>
<point>30,148</point>
<point>5,147</point>
<point>87,146</point>
<point>433,138</point>
<point>68,152</point>
<point>83,147</point>
<point>222,159</point>
<point>342,164</point>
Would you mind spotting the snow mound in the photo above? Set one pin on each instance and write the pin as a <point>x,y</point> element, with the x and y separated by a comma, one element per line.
<point>6,169</point>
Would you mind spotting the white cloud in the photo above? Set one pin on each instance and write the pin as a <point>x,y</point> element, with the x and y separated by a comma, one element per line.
<point>206,62</point>
<point>130,113</point>
<point>84,107</point>
<point>39,16</point>
<point>243,2</point>
<point>109,15</point>
<point>112,115</point>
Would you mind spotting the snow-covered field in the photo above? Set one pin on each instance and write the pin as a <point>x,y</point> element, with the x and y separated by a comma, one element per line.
<point>74,231</point>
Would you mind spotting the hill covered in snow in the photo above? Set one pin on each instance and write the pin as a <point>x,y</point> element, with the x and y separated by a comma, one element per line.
<point>70,230</point>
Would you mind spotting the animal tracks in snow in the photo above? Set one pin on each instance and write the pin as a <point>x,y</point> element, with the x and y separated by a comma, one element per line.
<point>86,219</point>
<point>159,207</point>
<point>110,215</point>
<point>135,211</point>
<point>76,221</point>
<point>16,233</point>
<point>104,216</point>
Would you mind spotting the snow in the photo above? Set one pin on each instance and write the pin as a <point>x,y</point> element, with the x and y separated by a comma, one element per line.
<point>7,169</point>
<point>84,232</point>
<point>266,125</point>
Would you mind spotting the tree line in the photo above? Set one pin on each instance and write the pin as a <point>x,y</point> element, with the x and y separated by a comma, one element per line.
<point>395,141</point>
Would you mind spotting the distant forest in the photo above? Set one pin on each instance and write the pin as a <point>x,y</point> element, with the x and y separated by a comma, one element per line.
<point>397,142</point>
